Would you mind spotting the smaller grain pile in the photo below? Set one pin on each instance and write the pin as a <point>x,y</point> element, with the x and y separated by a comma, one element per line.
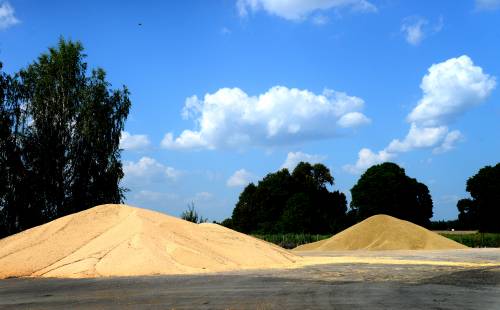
<point>383,232</point>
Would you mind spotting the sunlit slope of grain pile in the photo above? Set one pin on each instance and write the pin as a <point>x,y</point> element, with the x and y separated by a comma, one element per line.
<point>383,232</point>
<point>118,240</point>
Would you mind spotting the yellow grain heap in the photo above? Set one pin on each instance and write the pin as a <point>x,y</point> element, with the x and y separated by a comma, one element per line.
<point>383,232</point>
<point>118,240</point>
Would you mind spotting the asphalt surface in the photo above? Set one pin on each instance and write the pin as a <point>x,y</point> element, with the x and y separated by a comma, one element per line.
<point>335,286</point>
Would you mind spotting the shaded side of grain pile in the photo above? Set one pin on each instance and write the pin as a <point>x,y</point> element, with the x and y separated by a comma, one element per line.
<point>383,232</point>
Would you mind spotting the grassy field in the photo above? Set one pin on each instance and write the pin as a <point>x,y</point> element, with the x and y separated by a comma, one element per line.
<point>474,240</point>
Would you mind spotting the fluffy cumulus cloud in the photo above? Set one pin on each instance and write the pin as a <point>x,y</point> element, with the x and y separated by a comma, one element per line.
<point>367,158</point>
<point>147,170</point>
<point>293,158</point>
<point>230,118</point>
<point>297,10</point>
<point>239,178</point>
<point>418,137</point>
<point>450,88</point>
<point>487,5</point>
<point>449,142</point>
<point>134,142</point>
<point>353,119</point>
<point>7,17</point>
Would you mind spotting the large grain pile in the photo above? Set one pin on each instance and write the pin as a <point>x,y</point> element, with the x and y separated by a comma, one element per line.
<point>383,232</point>
<point>118,240</point>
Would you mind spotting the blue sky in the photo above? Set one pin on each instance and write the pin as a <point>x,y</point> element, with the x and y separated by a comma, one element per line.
<point>224,92</point>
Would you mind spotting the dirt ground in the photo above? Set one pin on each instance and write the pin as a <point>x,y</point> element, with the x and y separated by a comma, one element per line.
<point>418,283</point>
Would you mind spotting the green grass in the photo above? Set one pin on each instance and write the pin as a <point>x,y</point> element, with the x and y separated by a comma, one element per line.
<point>290,241</point>
<point>476,240</point>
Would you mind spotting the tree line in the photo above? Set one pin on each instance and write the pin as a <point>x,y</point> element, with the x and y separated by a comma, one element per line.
<point>290,202</point>
<point>300,202</point>
<point>60,128</point>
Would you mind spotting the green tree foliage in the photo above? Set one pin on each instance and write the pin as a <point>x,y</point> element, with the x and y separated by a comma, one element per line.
<point>467,214</point>
<point>386,189</point>
<point>60,137</point>
<point>12,172</point>
<point>192,215</point>
<point>483,210</point>
<point>284,203</point>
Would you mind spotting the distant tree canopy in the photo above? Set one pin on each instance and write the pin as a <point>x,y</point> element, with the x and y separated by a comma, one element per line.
<point>386,189</point>
<point>483,210</point>
<point>59,139</point>
<point>284,202</point>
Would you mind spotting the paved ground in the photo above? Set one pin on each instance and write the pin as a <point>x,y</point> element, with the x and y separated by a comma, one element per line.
<point>331,286</point>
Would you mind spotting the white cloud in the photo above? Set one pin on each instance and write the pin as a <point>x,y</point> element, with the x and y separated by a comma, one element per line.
<point>7,18</point>
<point>413,30</point>
<point>367,158</point>
<point>293,158</point>
<point>147,170</point>
<point>297,10</point>
<point>229,118</point>
<point>449,142</point>
<point>449,89</point>
<point>239,178</point>
<point>134,142</point>
<point>353,119</point>
<point>487,5</point>
<point>188,140</point>
<point>418,138</point>
<point>416,28</point>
